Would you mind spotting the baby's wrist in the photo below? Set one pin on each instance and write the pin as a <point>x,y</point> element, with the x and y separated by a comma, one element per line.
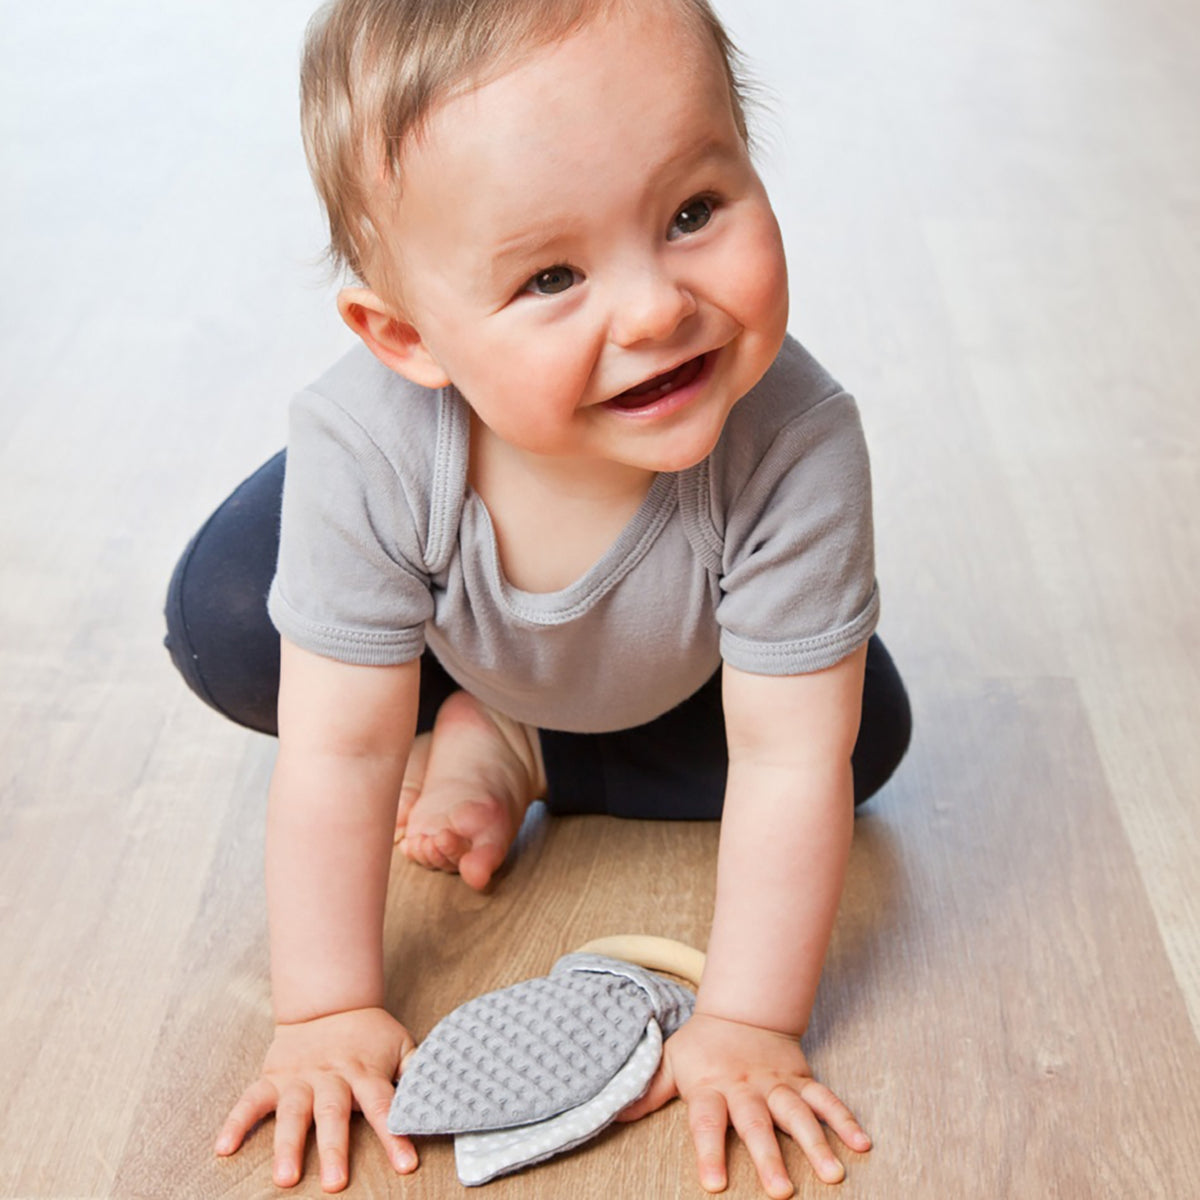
<point>757,1026</point>
<point>770,1014</point>
<point>292,1005</point>
<point>284,1017</point>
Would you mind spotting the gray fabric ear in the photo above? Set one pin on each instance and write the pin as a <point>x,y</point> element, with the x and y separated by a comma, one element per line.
<point>673,1003</point>
<point>529,1052</point>
<point>480,1157</point>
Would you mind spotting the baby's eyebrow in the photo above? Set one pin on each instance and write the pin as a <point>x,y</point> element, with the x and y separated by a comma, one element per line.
<point>526,243</point>
<point>548,238</point>
<point>706,147</point>
<point>526,248</point>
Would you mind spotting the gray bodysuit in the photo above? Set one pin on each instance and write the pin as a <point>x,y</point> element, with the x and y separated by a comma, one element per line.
<point>761,555</point>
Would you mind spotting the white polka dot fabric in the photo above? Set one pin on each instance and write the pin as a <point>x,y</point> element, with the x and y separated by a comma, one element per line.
<point>531,1051</point>
<point>534,1069</point>
<point>481,1157</point>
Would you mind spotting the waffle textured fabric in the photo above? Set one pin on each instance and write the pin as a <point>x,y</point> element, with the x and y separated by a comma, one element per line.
<point>480,1157</point>
<point>534,1050</point>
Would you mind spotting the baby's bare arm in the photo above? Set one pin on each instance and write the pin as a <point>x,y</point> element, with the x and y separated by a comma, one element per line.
<point>785,839</point>
<point>344,735</point>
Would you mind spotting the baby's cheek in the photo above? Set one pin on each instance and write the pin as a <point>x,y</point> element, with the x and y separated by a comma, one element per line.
<point>771,277</point>
<point>756,273</point>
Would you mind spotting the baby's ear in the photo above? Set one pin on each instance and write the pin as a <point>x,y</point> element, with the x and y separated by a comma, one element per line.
<point>393,340</point>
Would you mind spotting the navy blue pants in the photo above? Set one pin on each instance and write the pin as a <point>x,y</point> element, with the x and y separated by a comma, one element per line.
<point>225,647</point>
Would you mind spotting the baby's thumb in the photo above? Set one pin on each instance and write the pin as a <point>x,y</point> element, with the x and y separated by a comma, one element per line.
<point>662,1089</point>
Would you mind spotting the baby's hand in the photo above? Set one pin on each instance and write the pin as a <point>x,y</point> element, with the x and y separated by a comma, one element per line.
<point>317,1072</point>
<point>753,1079</point>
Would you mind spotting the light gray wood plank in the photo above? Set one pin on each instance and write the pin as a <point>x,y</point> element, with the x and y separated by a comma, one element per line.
<point>991,215</point>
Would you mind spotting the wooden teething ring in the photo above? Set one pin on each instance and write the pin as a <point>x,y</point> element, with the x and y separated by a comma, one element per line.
<point>653,953</point>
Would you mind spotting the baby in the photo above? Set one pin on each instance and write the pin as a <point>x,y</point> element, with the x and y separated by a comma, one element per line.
<point>580,523</point>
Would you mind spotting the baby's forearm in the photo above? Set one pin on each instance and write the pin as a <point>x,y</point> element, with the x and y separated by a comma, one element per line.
<point>785,840</point>
<point>344,736</point>
<point>329,843</point>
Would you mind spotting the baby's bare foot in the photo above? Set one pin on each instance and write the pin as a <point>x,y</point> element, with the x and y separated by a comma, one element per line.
<point>414,781</point>
<point>466,790</point>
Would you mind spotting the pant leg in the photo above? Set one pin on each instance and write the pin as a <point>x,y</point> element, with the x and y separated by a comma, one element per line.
<point>674,767</point>
<point>886,729</point>
<point>219,635</point>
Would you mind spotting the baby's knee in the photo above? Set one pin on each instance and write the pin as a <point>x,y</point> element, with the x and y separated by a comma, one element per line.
<point>886,728</point>
<point>219,634</point>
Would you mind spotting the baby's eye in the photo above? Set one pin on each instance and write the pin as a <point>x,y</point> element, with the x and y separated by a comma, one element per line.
<point>693,216</point>
<point>551,281</point>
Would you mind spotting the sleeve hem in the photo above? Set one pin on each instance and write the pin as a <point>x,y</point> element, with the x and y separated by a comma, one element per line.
<point>357,647</point>
<point>801,656</point>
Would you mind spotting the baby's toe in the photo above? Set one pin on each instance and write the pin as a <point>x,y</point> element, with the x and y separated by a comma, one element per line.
<point>480,863</point>
<point>422,849</point>
<point>414,782</point>
<point>451,845</point>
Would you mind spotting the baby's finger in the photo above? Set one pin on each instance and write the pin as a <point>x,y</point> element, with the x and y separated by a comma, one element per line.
<point>836,1115</point>
<point>755,1126</point>
<point>374,1096</point>
<point>792,1114</point>
<point>331,1115</point>
<point>708,1118</point>
<point>256,1102</point>
<point>293,1116</point>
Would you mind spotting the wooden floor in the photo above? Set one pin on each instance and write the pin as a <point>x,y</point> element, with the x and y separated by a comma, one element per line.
<point>993,223</point>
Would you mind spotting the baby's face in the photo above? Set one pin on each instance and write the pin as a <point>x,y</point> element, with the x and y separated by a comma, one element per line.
<point>587,251</point>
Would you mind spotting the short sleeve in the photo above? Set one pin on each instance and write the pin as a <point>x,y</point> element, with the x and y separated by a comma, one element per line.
<point>798,588</point>
<point>350,583</point>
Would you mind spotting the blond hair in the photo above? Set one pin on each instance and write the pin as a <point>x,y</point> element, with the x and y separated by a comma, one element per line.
<point>373,70</point>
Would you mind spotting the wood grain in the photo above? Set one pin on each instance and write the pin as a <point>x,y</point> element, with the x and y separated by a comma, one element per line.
<point>992,216</point>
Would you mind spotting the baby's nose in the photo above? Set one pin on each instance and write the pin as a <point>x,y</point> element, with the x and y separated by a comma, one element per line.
<point>650,307</point>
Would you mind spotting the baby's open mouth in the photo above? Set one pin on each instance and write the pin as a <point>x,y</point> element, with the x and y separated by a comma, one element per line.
<point>655,389</point>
